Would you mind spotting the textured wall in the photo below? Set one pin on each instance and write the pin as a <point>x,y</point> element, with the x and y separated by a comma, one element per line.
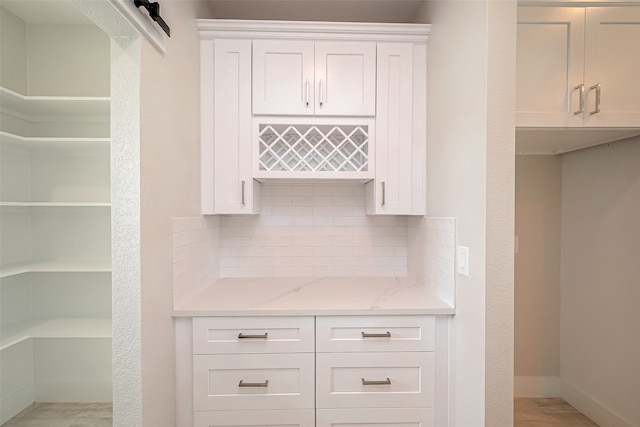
<point>471,87</point>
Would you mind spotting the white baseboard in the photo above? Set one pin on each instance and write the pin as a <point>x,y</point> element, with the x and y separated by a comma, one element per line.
<point>593,409</point>
<point>537,386</point>
<point>16,402</point>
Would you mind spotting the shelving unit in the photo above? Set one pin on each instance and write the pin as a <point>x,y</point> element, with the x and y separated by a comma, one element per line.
<point>55,276</point>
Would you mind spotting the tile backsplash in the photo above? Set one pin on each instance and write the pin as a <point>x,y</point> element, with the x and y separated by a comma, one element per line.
<point>313,230</point>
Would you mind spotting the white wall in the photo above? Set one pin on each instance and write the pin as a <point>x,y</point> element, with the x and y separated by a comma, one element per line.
<point>600,320</point>
<point>537,276</point>
<point>170,187</point>
<point>471,87</point>
<point>68,60</point>
<point>13,45</point>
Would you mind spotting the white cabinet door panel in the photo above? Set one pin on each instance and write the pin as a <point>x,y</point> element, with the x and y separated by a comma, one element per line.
<point>226,184</point>
<point>283,77</point>
<point>612,52</point>
<point>550,65</point>
<point>375,417</point>
<point>374,333</point>
<point>222,335</point>
<point>390,193</point>
<point>253,381</point>
<point>348,380</point>
<point>272,418</point>
<point>345,78</point>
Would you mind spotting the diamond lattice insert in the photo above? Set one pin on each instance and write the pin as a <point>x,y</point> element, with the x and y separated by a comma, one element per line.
<point>312,148</point>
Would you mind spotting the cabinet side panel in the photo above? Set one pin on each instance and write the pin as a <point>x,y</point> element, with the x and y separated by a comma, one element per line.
<point>206,127</point>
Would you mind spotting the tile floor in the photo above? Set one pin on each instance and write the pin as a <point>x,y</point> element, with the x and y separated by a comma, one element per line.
<point>553,412</point>
<point>527,413</point>
<point>64,415</point>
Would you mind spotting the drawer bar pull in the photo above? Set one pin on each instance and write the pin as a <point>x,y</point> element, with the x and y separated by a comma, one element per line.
<point>242,336</point>
<point>243,384</point>
<point>369,382</point>
<point>368,335</point>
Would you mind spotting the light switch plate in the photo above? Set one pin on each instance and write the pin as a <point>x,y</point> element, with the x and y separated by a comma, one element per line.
<point>462,260</point>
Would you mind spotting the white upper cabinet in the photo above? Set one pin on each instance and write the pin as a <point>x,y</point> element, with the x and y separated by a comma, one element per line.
<point>612,67</point>
<point>578,67</point>
<point>226,146</point>
<point>313,100</point>
<point>302,77</point>
<point>399,184</point>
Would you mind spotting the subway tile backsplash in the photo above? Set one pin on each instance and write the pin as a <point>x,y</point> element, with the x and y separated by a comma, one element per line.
<point>313,230</point>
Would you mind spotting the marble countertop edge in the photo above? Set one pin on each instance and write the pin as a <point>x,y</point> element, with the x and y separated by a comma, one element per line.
<point>320,296</point>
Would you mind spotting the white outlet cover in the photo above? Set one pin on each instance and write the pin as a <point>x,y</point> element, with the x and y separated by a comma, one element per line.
<point>462,260</point>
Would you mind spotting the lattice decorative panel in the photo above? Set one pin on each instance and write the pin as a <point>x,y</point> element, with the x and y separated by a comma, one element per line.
<point>313,148</point>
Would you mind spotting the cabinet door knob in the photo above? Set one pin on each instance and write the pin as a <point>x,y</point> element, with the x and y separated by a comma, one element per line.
<point>370,335</point>
<point>242,191</point>
<point>382,184</point>
<point>581,88</point>
<point>307,92</point>
<point>243,384</point>
<point>598,89</point>
<point>253,336</point>
<point>321,93</point>
<point>376,382</point>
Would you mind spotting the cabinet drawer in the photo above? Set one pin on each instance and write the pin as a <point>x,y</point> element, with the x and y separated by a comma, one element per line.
<point>277,418</point>
<point>226,335</point>
<point>396,417</point>
<point>376,380</point>
<point>374,333</point>
<point>253,381</point>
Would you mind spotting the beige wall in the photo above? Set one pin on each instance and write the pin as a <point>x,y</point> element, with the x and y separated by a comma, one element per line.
<point>13,44</point>
<point>170,187</point>
<point>537,266</point>
<point>470,177</point>
<point>600,320</point>
<point>68,60</point>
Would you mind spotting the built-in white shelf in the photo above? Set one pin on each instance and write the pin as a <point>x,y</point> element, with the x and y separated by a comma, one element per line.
<point>38,106</point>
<point>56,204</point>
<point>61,266</point>
<point>41,143</point>
<point>55,328</point>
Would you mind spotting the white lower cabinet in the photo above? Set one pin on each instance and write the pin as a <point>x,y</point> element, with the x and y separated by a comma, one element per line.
<point>404,417</point>
<point>348,371</point>
<point>273,418</point>
<point>253,381</point>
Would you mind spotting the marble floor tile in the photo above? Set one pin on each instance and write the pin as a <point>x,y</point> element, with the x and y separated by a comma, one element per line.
<point>64,415</point>
<point>550,412</point>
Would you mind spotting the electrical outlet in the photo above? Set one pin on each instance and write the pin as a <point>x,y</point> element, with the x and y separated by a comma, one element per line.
<point>462,260</point>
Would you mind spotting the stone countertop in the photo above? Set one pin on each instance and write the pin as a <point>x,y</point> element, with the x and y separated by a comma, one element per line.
<point>289,296</point>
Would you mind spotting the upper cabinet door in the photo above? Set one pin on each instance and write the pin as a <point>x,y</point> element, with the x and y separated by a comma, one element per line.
<point>305,78</point>
<point>550,58</point>
<point>612,51</point>
<point>283,77</point>
<point>345,78</point>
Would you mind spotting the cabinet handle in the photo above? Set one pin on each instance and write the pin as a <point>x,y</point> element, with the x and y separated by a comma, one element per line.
<point>321,93</point>
<point>242,193</point>
<point>307,92</point>
<point>243,384</point>
<point>383,193</point>
<point>581,110</point>
<point>242,336</point>
<point>374,382</point>
<point>368,335</point>
<point>598,89</point>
